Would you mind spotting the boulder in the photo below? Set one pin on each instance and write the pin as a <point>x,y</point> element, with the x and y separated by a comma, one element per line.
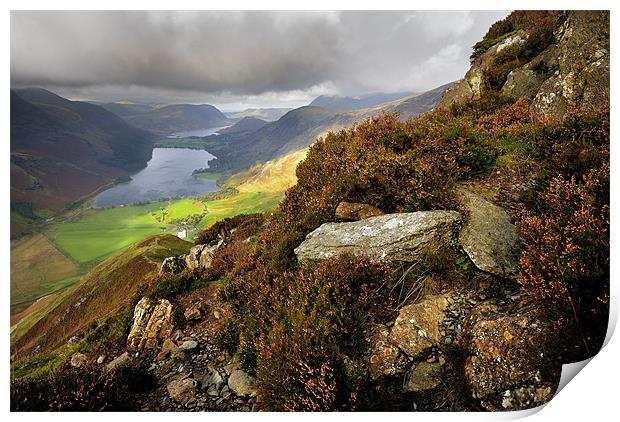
<point>488,237</point>
<point>391,237</point>
<point>425,376</point>
<point>353,211</point>
<point>78,360</point>
<point>418,327</point>
<point>200,256</point>
<point>119,362</point>
<point>182,390</point>
<point>173,265</point>
<point>241,383</point>
<point>460,92</point>
<point>101,359</point>
<point>385,358</point>
<point>505,362</point>
<point>152,324</point>
<point>189,346</point>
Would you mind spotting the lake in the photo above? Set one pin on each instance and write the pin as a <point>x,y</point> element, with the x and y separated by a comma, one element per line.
<point>167,174</point>
<point>199,132</point>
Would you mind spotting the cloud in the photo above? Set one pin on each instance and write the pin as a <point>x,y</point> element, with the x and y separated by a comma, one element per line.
<point>238,56</point>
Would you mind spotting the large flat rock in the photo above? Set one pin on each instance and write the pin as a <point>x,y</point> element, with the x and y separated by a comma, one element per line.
<point>489,238</point>
<point>392,237</point>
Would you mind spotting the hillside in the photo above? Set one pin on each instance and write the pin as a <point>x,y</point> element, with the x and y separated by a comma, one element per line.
<point>178,118</point>
<point>44,126</point>
<point>102,293</point>
<point>356,103</point>
<point>299,128</point>
<point>125,109</point>
<point>244,126</point>
<point>268,114</point>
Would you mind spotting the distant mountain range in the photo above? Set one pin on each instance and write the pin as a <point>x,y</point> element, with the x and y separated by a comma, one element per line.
<point>269,114</point>
<point>336,102</point>
<point>168,119</point>
<point>62,150</point>
<point>301,127</point>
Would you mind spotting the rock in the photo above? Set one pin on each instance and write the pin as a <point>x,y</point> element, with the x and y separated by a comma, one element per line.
<point>385,358</point>
<point>178,335</point>
<point>418,326</point>
<point>353,211</point>
<point>391,237</point>
<point>119,362</point>
<point>189,346</point>
<point>78,360</point>
<point>458,93</point>
<point>73,340</point>
<point>504,355</point>
<point>489,238</point>
<point>241,383</point>
<point>152,324</point>
<point>425,376</point>
<point>182,390</point>
<point>201,256</point>
<point>193,314</point>
<point>100,359</point>
<point>231,367</point>
<point>582,78</point>
<point>213,378</point>
<point>217,314</point>
<point>172,265</point>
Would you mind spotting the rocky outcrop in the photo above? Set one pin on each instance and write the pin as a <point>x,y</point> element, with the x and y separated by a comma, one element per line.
<point>392,237</point>
<point>582,77</point>
<point>571,73</point>
<point>351,211</point>
<point>200,256</point>
<point>488,237</point>
<point>418,327</point>
<point>152,324</point>
<point>173,265</point>
<point>504,366</point>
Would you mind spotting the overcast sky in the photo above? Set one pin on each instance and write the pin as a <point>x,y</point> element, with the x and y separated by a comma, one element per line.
<point>240,59</point>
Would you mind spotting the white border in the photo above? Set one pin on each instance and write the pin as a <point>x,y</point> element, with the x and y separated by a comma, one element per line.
<point>593,392</point>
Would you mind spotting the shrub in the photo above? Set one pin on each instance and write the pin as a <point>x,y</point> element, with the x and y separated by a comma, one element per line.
<point>84,389</point>
<point>296,327</point>
<point>568,244</point>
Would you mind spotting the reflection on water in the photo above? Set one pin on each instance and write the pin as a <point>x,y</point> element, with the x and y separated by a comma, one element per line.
<point>197,132</point>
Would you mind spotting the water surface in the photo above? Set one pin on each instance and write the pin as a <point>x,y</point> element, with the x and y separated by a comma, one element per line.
<point>168,174</point>
<point>198,132</point>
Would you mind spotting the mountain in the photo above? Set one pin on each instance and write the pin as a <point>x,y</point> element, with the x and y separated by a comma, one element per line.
<point>125,109</point>
<point>269,114</point>
<point>238,151</point>
<point>355,103</point>
<point>244,126</point>
<point>178,118</point>
<point>62,150</point>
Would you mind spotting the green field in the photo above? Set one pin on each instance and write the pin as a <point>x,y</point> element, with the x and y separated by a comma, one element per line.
<point>96,234</point>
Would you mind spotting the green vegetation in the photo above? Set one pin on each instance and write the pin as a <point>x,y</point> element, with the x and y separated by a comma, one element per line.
<point>97,234</point>
<point>208,176</point>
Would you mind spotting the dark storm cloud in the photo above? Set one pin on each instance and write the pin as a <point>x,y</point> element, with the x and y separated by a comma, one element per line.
<point>228,56</point>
